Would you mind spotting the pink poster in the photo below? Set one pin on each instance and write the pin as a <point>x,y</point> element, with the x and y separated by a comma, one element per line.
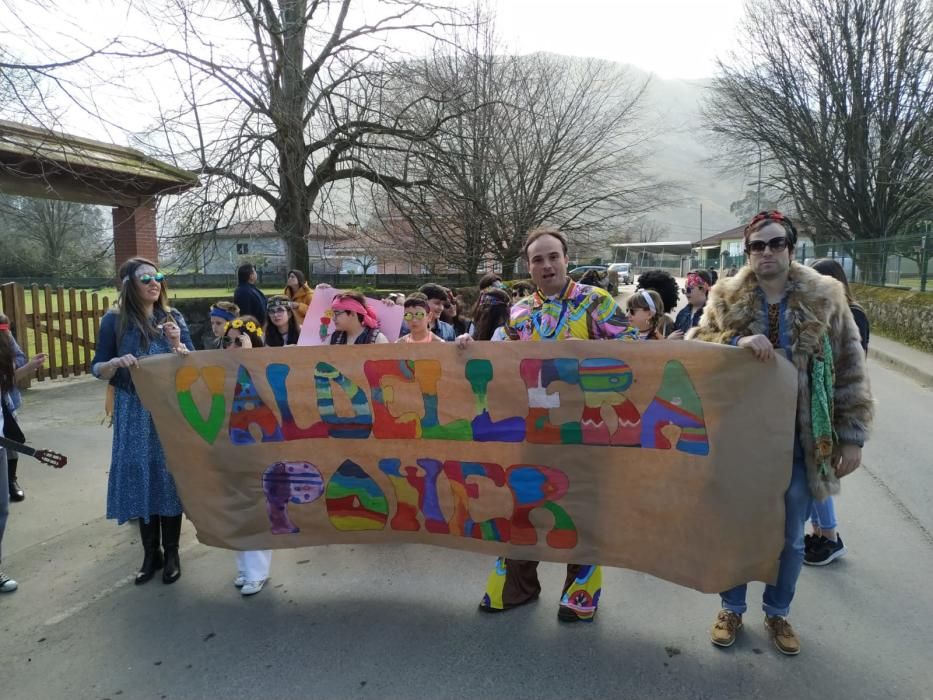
<point>319,321</point>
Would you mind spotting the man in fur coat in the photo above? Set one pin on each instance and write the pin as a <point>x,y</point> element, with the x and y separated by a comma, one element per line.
<point>774,305</point>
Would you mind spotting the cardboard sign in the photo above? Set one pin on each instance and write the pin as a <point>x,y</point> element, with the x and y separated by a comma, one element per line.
<point>666,457</point>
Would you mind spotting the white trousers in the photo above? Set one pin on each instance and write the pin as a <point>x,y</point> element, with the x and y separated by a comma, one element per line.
<point>254,564</point>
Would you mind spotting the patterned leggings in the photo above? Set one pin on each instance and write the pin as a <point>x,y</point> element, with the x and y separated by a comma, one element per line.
<point>513,582</point>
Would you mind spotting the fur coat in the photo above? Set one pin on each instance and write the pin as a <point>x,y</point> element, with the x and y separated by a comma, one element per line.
<point>816,304</point>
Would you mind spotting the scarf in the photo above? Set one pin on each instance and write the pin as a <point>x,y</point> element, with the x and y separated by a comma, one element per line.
<point>822,379</point>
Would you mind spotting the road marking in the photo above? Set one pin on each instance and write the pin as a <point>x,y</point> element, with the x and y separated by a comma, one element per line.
<point>75,609</point>
<point>81,607</point>
<point>898,503</point>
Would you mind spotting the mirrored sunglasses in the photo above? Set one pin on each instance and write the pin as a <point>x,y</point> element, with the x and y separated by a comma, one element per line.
<point>147,278</point>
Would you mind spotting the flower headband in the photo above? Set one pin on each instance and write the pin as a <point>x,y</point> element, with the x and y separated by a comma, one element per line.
<point>249,326</point>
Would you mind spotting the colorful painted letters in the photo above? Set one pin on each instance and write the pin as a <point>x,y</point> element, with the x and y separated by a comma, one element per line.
<point>355,502</point>
<point>602,381</point>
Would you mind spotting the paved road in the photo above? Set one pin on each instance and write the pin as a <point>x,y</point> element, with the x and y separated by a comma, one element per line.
<point>401,622</point>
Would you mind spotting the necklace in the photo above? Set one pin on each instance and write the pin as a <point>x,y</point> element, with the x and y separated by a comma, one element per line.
<point>539,317</point>
<point>541,327</point>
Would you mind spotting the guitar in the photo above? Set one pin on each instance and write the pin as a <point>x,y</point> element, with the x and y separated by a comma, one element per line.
<point>45,456</point>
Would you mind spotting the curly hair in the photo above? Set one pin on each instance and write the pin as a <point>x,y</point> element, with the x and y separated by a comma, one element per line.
<point>664,284</point>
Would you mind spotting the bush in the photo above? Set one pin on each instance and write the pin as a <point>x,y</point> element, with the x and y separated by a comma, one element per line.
<point>899,314</point>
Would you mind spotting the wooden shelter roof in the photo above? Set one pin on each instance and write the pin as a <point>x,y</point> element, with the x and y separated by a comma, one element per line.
<point>37,162</point>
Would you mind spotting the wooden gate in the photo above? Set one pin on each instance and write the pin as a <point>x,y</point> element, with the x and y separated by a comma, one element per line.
<point>63,323</point>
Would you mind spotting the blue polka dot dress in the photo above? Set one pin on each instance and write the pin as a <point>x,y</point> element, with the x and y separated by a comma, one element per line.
<point>140,485</point>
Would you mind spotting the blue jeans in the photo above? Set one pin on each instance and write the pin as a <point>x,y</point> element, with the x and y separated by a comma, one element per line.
<point>4,496</point>
<point>823,514</point>
<point>777,598</point>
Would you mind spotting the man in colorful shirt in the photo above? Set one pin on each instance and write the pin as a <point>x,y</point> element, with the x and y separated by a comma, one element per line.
<point>561,309</point>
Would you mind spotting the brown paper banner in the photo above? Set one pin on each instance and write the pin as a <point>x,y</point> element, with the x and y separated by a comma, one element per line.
<point>670,458</point>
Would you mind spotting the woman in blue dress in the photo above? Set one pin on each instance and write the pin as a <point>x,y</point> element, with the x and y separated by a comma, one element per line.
<point>140,486</point>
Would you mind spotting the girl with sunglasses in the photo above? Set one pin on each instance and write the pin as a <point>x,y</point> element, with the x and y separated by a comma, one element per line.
<point>282,326</point>
<point>242,332</point>
<point>140,486</point>
<point>646,313</point>
<point>354,321</point>
<point>419,317</point>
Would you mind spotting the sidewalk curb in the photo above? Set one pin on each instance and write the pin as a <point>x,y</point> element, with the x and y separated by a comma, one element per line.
<point>899,365</point>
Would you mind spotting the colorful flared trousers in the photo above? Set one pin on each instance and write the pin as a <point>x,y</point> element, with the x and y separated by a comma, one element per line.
<point>514,582</point>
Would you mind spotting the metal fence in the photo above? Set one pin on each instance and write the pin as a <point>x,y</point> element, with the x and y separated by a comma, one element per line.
<point>902,261</point>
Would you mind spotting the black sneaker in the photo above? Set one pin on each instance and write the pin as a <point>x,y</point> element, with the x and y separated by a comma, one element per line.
<point>825,552</point>
<point>810,543</point>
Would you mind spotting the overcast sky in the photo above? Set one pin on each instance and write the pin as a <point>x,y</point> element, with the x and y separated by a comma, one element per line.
<point>671,38</point>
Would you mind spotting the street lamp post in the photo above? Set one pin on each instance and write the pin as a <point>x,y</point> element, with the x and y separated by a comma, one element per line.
<point>758,205</point>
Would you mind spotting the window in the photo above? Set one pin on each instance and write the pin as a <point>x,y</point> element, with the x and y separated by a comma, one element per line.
<point>242,248</point>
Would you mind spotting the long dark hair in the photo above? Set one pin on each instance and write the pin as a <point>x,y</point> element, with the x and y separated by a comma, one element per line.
<point>831,268</point>
<point>274,338</point>
<point>492,311</point>
<point>130,305</point>
<point>7,359</point>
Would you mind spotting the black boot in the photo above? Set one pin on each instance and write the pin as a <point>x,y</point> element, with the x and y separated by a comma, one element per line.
<point>171,530</point>
<point>16,493</point>
<point>152,561</point>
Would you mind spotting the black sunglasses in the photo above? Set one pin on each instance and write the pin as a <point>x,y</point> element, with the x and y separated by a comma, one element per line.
<point>776,245</point>
<point>227,341</point>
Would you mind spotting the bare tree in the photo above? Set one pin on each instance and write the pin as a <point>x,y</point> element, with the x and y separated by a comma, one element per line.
<point>571,151</point>
<point>537,139</point>
<point>449,217</point>
<point>645,230</point>
<point>839,96</point>
<point>299,101</point>
<point>50,237</point>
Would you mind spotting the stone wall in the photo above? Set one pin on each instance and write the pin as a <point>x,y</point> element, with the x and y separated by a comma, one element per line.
<point>900,314</point>
<point>197,315</point>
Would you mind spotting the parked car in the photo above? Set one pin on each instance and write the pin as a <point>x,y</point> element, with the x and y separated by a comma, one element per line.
<point>596,275</point>
<point>624,270</point>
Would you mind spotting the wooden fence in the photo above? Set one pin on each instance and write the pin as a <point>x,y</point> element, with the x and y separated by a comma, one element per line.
<point>63,323</point>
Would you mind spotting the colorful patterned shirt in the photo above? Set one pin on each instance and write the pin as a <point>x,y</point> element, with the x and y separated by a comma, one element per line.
<point>579,311</point>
